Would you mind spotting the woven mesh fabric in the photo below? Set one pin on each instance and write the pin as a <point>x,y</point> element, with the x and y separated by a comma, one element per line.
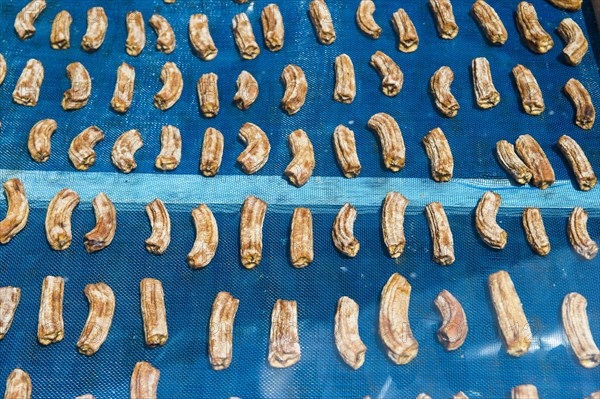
<point>481,368</point>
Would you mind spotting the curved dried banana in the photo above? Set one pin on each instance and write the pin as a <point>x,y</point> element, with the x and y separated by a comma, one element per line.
<point>26,18</point>
<point>576,43</point>
<point>439,154</point>
<point>200,37</point>
<point>486,94</point>
<point>256,154</point>
<point>577,327</point>
<point>490,22</point>
<point>81,87</point>
<point>27,89</point>
<point>51,327</point>
<point>579,238</point>
<point>58,219</point>
<point>124,150</point>
<point>392,223</point>
<point>208,95</point>
<point>524,392</point>
<point>542,174</point>
<point>585,113</point>
<point>103,233</point>
<point>18,385</point>
<point>60,35</point>
<point>97,23</point>
<point>170,148</point>
<point>9,300</point>
<point>343,231</point>
<point>531,94</point>
<point>454,328</point>
<point>344,145</point>
<point>102,308</point>
<point>394,326</point>
<point>391,75</point>
<point>247,91</point>
<point>345,81</point>
<point>295,89</point>
<point>441,235</point>
<point>485,220</point>
<point>365,21</point>
<point>244,37</point>
<point>347,339</point>
<point>509,312</point>
<point>123,93</point>
<point>440,87</point>
<point>144,381</point>
<point>582,169</point>
<point>460,395</point>
<point>136,33</point>
<point>273,30</point>
<point>17,212</point>
<point>38,143</point>
<point>172,88</point>
<point>207,237</point>
<point>301,238</point>
<point>212,152</point>
<point>533,224</point>
<point>284,348</point>
<point>220,330</point>
<point>300,169</point>
<point>423,396</point>
<point>2,69</point>
<point>81,150</point>
<point>568,5</point>
<point>154,314</point>
<point>160,222</point>
<point>322,21</point>
<point>510,161</point>
<point>251,234</point>
<point>408,40</point>
<point>444,17</point>
<point>165,40</point>
<point>594,395</point>
<point>390,137</point>
<point>536,38</point>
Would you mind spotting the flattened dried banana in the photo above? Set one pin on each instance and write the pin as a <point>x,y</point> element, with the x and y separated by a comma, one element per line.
<point>579,237</point>
<point>486,94</point>
<point>440,87</point>
<point>344,146</point>
<point>390,137</point>
<point>170,148</point>
<point>485,221</point>
<point>441,235</point>
<point>244,37</point>
<point>533,225</point>
<point>207,237</point>
<point>301,238</point>
<point>58,219</point>
<point>172,88</point>
<point>576,43</point>
<point>444,16</point>
<point>300,169</point>
<point>536,38</point>
<point>408,40</point>
<point>102,308</point>
<point>391,75</point>
<point>453,331</point>
<point>159,240</point>
<point>365,20</point>
<point>585,113</point>
<point>220,336</point>
<point>200,37</point>
<point>165,37</point>
<point>510,161</point>
<point>284,347</point>
<point>208,94</point>
<point>542,174</point>
<point>272,24</point>
<point>295,89</point>
<point>247,90</point>
<point>136,33</point>
<point>9,301</point>
<point>103,233</point>
<point>322,21</point>
<point>81,150</point>
<point>60,35</point>
<point>51,327</point>
<point>124,150</point>
<point>97,23</point>
<point>577,327</point>
<point>27,89</point>
<point>347,338</point>
<point>251,234</point>
<point>343,231</point>
<point>154,314</point>
<point>212,152</point>
<point>439,154</point>
<point>490,22</point>
<point>81,87</point>
<point>582,169</point>
<point>38,142</point>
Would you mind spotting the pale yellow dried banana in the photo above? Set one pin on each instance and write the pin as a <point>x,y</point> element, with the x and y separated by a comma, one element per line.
<point>390,137</point>
<point>172,88</point>
<point>439,154</point>
<point>247,90</point>
<point>485,221</point>
<point>300,169</point>
<point>453,331</point>
<point>343,231</point>
<point>284,347</point>
<point>103,233</point>
<point>536,38</point>
<point>124,150</point>
<point>577,328</point>
<point>509,312</point>
<point>344,146</point>
<point>510,161</point>
<point>208,94</point>
<point>391,75</point>
<point>531,94</point>
<point>486,94</point>
<point>439,85</point>
<point>159,240</point>
<point>347,338</point>
<point>579,237</point>
<point>490,22</point>
<point>212,152</point>
<point>207,237</point>
<point>392,223</point>
<point>444,16</point>
<point>81,87</point>
<point>345,81</point>
<point>200,37</point>
<point>26,18</point>
<point>535,232</point>
<point>102,308</point>
<point>60,35</point>
<point>408,39</point>
<point>38,142</point>
<point>81,150</point>
<point>322,21</point>
<point>585,113</point>
<point>576,43</point>
<point>272,24</point>
<point>301,238</point>
<point>441,235</point>
<point>170,148</point>
<point>18,385</point>
<point>51,327</point>
<point>244,37</point>
<point>144,381</point>
<point>97,23</point>
<point>58,219</point>
<point>154,314</point>
<point>165,40</point>
<point>17,212</point>
<point>394,326</point>
<point>256,154</point>
<point>527,391</point>
<point>582,169</point>
<point>27,89</point>
<point>9,301</point>
<point>295,89</point>
<point>123,94</point>
<point>542,174</point>
<point>251,231</point>
<point>136,33</point>
<point>365,20</point>
<point>220,330</point>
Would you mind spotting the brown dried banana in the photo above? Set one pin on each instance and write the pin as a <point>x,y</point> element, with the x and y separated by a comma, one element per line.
<point>533,225</point>
<point>391,75</point>
<point>394,326</point>
<point>38,143</point>
<point>165,40</point>
<point>9,301</point>
<point>440,87</point>
<point>144,381</point>
<point>60,35</point>
<point>300,169</point>
<point>585,113</point>
<point>136,33</point>
<point>542,174</point>
<point>577,328</point>
<point>509,312</point>
<point>26,18</point>
<point>295,89</point>
<point>322,21</point>
<point>343,231</point>
<point>212,152</point>
<point>272,24</point>
<point>568,5</point>
<point>251,234</point>
<point>244,37</point>
<point>172,88</point>
<point>536,38</point>
<point>51,327</point>
<point>439,154</point>
<point>531,94</point>
<point>97,23</point>
<point>485,221</point>
<point>490,22</point>
<point>2,68</point>
<point>81,87</point>
<point>453,331</point>
<point>485,93</point>
<point>154,314</point>
<point>17,212</point>
<point>444,16</point>
<point>301,238</point>
<point>284,348</point>
<point>170,148</point>
<point>347,338</point>
<point>18,385</point>
<point>579,237</point>
<point>390,137</point>
<point>207,237</point>
<point>365,21</point>
<point>123,94</point>
<point>103,233</point>
<point>247,91</point>
<point>159,240</point>
<point>102,308</point>
<point>408,40</point>
<point>576,43</point>
<point>124,150</point>
<point>345,81</point>
<point>256,154</point>
<point>510,161</point>
<point>208,94</point>
<point>220,327</point>
<point>392,223</point>
<point>582,169</point>
<point>344,146</point>
<point>524,392</point>
<point>58,219</point>
<point>200,37</point>
<point>27,89</point>
<point>81,150</point>
<point>441,235</point>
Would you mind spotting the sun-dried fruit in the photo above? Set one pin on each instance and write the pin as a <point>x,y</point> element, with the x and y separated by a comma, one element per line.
<point>154,314</point>
<point>347,338</point>
<point>301,238</point>
<point>344,146</point>
<point>485,221</point>
<point>18,385</point>
<point>295,89</point>
<point>97,23</point>
<point>136,33</point>
<point>576,45</point>
<point>542,174</point>
<point>392,223</point>
<point>531,94</point>
<point>208,94</point>
<point>301,167</point>
<point>343,231</point>
<point>244,37</point>
<point>200,37</point>
<point>159,240</point>
<point>444,17</point>
<point>535,232</point>
<point>124,150</point>
<point>536,38</point>
<point>440,157</point>
<point>585,113</point>
<point>220,330</point>
<point>284,348</point>
<point>490,22</point>
<point>408,40</point>
<point>212,152</point>
<point>247,90</point>
<point>51,327</point>
<point>577,328</point>
<point>172,88</point>
<point>123,94</point>
<point>256,153</point>
<point>165,40</point>
<point>582,169</point>
<point>272,24</point>
<point>390,137</point>
<point>454,328</point>
<point>207,237</point>
<point>9,301</point>
<point>81,150</point>
<point>441,235</point>
<point>345,81</point>
<point>365,20</point>
<point>391,75</point>
<point>60,35</point>
<point>26,18</point>
<point>251,231</point>
<point>102,308</point>
<point>510,161</point>
<point>440,87</point>
<point>27,90</point>
<point>170,148</point>
<point>144,381</point>
<point>322,21</point>
<point>81,87</point>
<point>579,237</point>
<point>58,219</point>
<point>38,143</point>
<point>103,233</point>
<point>486,94</point>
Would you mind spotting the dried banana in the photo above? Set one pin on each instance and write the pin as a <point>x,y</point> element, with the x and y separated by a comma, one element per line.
<point>454,328</point>
<point>577,327</point>
<point>207,237</point>
<point>441,235</point>
<point>58,219</point>
<point>81,150</point>
<point>159,240</point>
<point>347,338</point>
<point>103,233</point>
<point>102,308</point>
<point>485,220</point>
<point>579,237</point>
<point>343,231</point>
